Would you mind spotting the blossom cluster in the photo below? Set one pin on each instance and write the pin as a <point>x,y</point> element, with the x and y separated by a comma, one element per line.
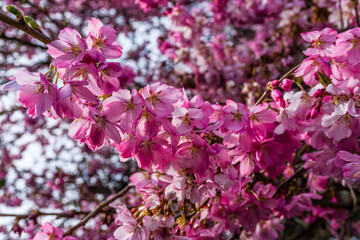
<point>209,170</point>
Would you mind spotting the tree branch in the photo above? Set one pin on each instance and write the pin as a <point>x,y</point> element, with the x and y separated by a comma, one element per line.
<point>287,181</point>
<point>25,28</point>
<point>97,210</point>
<point>348,204</point>
<point>30,44</point>
<point>37,213</point>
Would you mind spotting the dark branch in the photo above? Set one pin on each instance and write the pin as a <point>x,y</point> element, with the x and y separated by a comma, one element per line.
<point>287,181</point>
<point>30,44</point>
<point>37,213</point>
<point>25,28</point>
<point>97,210</point>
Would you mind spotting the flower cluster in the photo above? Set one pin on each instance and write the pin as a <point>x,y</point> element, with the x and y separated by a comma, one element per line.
<point>210,170</point>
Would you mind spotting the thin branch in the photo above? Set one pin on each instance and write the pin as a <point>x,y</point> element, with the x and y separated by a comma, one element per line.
<point>287,181</point>
<point>349,204</point>
<point>59,25</point>
<point>356,3</point>
<point>267,91</point>
<point>37,213</point>
<point>25,28</point>
<point>353,197</point>
<point>97,210</point>
<point>341,15</point>
<point>30,44</point>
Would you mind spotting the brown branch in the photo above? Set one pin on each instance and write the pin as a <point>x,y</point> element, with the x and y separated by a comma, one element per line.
<point>353,197</point>
<point>267,91</point>
<point>341,15</point>
<point>37,213</point>
<point>97,210</point>
<point>356,3</point>
<point>59,25</point>
<point>30,44</point>
<point>349,204</point>
<point>287,181</point>
<point>25,28</point>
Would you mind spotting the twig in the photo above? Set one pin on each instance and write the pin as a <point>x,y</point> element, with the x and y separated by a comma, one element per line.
<point>267,91</point>
<point>25,28</point>
<point>336,205</point>
<point>353,196</point>
<point>287,181</point>
<point>356,2</point>
<point>96,211</point>
<point>341,15</point>
<point>30,44</point>
<point>37,213</point>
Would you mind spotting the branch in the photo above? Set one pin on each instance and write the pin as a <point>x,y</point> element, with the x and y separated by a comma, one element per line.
<point>37,213</point>
<point>25,28</point>
<point>348,204</point>
<point>287,181</point>
<point>97,210</point>
<point>341,15</point>
<point>30,44</point>
<point>356,2</point>
<point>267,91</point>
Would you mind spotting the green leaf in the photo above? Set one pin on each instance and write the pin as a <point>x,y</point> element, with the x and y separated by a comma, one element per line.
<point>2,182</point>
<point>323,79</point>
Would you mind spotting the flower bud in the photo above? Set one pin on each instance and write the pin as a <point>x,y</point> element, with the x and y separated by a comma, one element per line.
<point>314,112</point>
<point>281,102</point>
<point>316,76</point>
<point>307,116</point>
<point>276,95</point>
<point>318,93</point>
<point>286,84</point>
<point>13,10</point>
<point>32,23</point>
<point>275,83</point>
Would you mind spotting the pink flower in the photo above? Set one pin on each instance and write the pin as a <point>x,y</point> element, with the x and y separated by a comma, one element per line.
<point>338,124</point>
<point>193,155</point>
<point>347,46</point>
<point>159,98</point>
<point>84,72</point>
<point>95,129</point>
<point>278,97</point>
<point>235,116</point>
<point>36,92</point>
<point>108,77</point>
<point>49,232</point>
<point>152,153</point>
<point>128,108</point>
<point>68,50</point>
<point>322,43</point>
<point>286,84</point>
<point>350,164</point>
<point>101,41</point>
<point>147,126</point>
<point>183,119</point>
<point>129,229</point>
<point>309,67</point>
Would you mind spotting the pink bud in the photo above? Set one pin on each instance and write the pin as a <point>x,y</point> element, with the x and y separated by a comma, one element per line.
<point>318,93</point>
<point>286,84</point>
<point>316,76</point>
<point>308,112</point>
<point>281,102</point>
<point>275,83</point>
<point>276,95</point>
<point>314,113</point>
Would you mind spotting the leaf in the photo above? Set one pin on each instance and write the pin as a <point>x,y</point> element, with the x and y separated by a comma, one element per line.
<point>323,79</point>
<point>2,182</point>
